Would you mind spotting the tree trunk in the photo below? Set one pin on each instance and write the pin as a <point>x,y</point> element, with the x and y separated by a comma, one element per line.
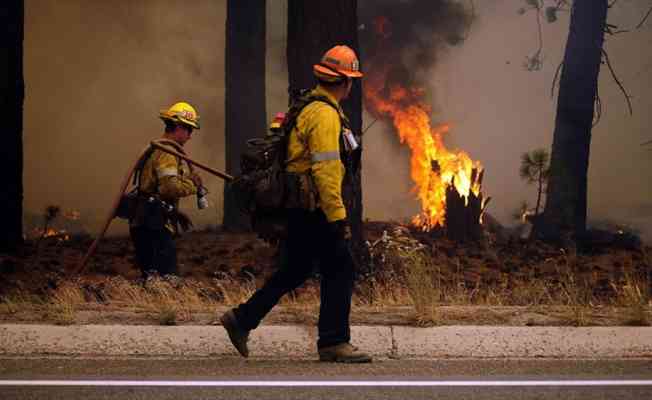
<point>313,28</point>
<point>12,94</point>
<point>245,113</point>
<point>565,209</point>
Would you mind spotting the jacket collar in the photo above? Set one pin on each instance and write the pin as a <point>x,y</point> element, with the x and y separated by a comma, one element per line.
<point>320,91</point>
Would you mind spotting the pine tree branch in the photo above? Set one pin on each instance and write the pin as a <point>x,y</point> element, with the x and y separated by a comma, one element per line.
<point>620,85</point>
<point>613,30</point>
<point>534,63</point>
<point>644,18</point>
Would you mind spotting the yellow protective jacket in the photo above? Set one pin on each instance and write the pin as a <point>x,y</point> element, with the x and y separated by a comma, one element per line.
<point>314,148</point>
<point>164,174</point>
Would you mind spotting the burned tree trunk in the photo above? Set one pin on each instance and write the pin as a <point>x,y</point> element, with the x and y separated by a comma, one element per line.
<point>313,28</point>
<point>462,216</point>
<point>245,92</point>
<point>12,93</point>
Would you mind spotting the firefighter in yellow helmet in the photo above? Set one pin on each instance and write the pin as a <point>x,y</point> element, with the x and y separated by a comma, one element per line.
<point>162,179</point>
<point>317,225</point>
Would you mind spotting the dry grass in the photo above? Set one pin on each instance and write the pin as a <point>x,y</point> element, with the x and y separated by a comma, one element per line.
<point>17,301</point>
<point>407,274</point>
<point>63,304</point>
<point>420,276</point>
<point>167,315</point>
<point>576,291</point>
<point>234,292</point>
<point>423,286</point>
<point>570,283</point>
<point>631,295</point>
<point>374,293</point>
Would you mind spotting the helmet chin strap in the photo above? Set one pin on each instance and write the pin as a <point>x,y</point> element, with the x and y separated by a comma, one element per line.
<point>336,72</point>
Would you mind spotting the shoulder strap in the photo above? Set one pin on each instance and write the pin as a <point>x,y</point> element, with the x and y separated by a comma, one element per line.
<point>324,99</point>
<point>303,100</point>
<point>148,154</point>
<point>298,101</point>
<point>138,171</point>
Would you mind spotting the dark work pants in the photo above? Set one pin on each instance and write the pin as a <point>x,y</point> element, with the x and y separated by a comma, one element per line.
<point>155,250</point>
<point>309,240</point>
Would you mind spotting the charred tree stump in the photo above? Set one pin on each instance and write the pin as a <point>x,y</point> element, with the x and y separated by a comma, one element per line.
<point>462,215</point>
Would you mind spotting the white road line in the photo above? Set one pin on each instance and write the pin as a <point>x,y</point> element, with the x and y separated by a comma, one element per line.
<point>325,383</point>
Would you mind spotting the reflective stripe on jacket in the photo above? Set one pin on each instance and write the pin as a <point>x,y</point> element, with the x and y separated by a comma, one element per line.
<point>314,146</point>
<point>165,175</point>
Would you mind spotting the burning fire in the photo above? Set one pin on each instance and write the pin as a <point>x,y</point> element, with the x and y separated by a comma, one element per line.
<point>61,235</point>
<point>432,166</point>
<point>47,231</point>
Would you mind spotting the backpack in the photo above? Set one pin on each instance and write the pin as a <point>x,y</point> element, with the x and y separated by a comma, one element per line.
<point>261,189</point>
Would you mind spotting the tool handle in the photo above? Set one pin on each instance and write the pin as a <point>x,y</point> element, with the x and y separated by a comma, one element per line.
<point>206,168</point>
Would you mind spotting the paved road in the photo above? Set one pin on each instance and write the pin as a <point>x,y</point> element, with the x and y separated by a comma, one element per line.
<point>444,379</point>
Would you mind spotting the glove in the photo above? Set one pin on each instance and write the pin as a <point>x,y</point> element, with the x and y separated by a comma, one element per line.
<point>341,229</point>
<point>341,238</point>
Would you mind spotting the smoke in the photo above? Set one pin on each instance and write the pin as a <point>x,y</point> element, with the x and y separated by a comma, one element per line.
<point>403,40</point>
<point>401,44</point>
<point>97,73</point>
<point>497,110</point>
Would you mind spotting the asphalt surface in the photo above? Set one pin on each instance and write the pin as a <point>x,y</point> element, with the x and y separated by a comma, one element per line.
<point>237,378</point>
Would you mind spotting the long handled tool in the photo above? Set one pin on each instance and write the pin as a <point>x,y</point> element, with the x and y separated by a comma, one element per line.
<point>157,144</point>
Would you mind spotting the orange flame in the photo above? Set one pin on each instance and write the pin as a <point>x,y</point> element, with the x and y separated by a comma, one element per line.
<point>61,235</point>
<point>432,166</point>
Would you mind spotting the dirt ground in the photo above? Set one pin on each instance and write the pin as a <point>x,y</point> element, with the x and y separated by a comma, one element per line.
<point>498,265</point>
<point>360,315</point>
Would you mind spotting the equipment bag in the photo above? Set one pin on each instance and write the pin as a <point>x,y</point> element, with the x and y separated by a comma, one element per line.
<point>261,186</point>
<point>264,187</point>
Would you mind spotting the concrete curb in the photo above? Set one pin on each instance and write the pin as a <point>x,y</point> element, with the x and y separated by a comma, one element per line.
<point>272,341</point>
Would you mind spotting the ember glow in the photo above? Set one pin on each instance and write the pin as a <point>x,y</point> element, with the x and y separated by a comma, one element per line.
<point>60,235</point>
<point>432,166</point>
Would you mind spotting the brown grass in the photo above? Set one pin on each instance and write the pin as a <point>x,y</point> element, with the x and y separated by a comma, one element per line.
<point>64,303</point>
<point>420,277</point>
<point>409,276</point>
<point>17,301</point>
<point>631,295</point>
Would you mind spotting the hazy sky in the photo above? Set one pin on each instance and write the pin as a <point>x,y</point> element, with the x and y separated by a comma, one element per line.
<point>98,72</point>
<point>96,75</point>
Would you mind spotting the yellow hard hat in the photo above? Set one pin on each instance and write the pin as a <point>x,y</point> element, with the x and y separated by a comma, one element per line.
<point>338,62</point>
<point>181,112</point>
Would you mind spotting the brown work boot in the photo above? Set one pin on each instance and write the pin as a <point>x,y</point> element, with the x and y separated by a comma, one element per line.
<point>343,353</point>
<point>238,336</point>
